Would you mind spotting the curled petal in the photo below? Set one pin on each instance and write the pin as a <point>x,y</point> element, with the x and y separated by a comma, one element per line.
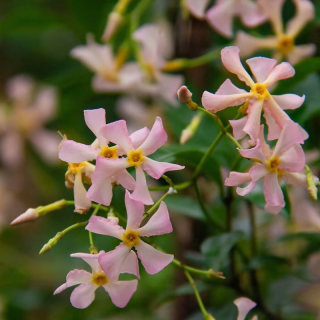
<point>139,136</point>
<point>197,7</point>
<point>135,211</point>
<point>131,264</point>
<point>104,226</point>
<point>293,159</point>
<point>261,67</point>
<point>301,52</point>
<point>256,152</point>
<point>297,179</point>
<point>250,13</point>
<point>237,178</point>
<point>152,259</point>
<point>272,193</point>
<point>81,202</point>
<point>95,119</point>
<point>76,152</point>
<point>82,296</point>
<point>141,192</point>
<point>252,126</point>
<point>284,70</point>
<point>158,224</point>
<point>274,129</point>
<point>237,127</point>
<point>90,259</point>
<point>244,305</point>
<point>156,169</point>
<point>121,292</point>
<point>124,178</point>
<point>156,138</point>
<point>289,101</point>
<point>230,57</point>
<point>305,13</point>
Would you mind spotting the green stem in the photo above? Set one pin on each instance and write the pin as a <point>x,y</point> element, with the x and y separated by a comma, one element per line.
<point>53,241</point>
<point>93,249</point>
<point>196,293</point>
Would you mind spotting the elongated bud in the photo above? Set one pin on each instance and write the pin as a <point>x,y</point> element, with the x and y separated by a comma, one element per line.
<point>113,23</point>
<point>34,213</point>
<point>311,183</point>
<point>191,129</point>
<point>185,96</point>
<point>174,65</point>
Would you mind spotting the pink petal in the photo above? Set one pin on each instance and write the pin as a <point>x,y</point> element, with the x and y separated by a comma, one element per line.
<point>125,179</point>
<point>252,127</point>
<point>230,57</point>
<point>153,260</point>
<point>131,264</point>
<point>45,104</point>
<point>168,85</point>
<point>256,172</point>
<point>82,296</point>
<point>117,133</point>
<point>121,292</point>
<point>197,7</point>
<point>112,262</point>
<point>156,169</point>
<point>220,17</point>
<point>290,135</point>
<point>272,8</point>
<point>272,193</point>
<point>305,13</point>
<point>244,305</point>
<point>139,136</point>
<point>261,67</point>
<point>81,202</point>
<point>237,178</point>
<point>301,52</point>
<point>20,89</point>
<point>101,189</point>
<point>293,159</point>
<point>141,192</point>
<point>12,157</point>
<point>76,152</point>
<point>284,70</point>
<point>135,211</point>
<point>256,152</point>
<point>297,179</point>
<point>104,226</point>
<point>95,119</point>
<point>158,224</point>
<point>237,127</point>
<point>156,138</point>
<point>274,129</point>
<point>74,277</point>
<point>289,101</point>
<point>90,259</point>
<point>250,13</point>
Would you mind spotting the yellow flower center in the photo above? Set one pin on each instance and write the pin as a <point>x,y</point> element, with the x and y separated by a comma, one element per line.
<point>135,158</point>
<point>109,152</point>
<point>260,91</point>
<point>99,279</point>
<point>285,44</point>
<point>130,238</point>
<point>111,76</point>
<point>273,164</point>
<point>74,168</point>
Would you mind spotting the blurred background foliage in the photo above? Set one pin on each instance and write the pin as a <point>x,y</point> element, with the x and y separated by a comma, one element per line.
<point>36,37</point>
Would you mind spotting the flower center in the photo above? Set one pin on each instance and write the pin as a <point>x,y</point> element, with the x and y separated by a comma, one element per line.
<point>74,168</point>
<point>260,91</point>
<point>273,164</point>
<point>111,76</point>
<point>135,158</point>
<point>130,238</point>
<point>285,44</point>
<point>109,152</point>
<point>99,279</point>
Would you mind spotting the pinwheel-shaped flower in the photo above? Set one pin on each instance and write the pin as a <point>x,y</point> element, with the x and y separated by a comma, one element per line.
<point>152,259</point>
<point>120,292</point>
<point>286,161</point>
<point>258,99</point>
<point>283,43</point>
<point>220,16</point>
<point>136,156</point>
<point>244,305</point>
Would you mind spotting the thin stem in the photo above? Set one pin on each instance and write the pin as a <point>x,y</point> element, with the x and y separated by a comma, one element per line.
<point>93,248</point>
<point>196,293</point>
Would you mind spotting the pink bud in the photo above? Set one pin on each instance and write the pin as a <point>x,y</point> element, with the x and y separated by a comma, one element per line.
<point>113,23</point>
<point>184,94</point>
<point>29,215</point>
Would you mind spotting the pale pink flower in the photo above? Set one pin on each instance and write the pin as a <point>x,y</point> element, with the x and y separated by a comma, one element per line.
<point>283,42</point>
<point>220,16</point>
<point>152,259</point>
<point>23,117</point>
<point>244,305</point>
<point>120,292</point>
<point>266,73</point>
<point>286,161</point>
<point>136,156</point>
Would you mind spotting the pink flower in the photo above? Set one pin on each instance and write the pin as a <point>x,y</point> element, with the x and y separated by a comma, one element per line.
<point>136,156</point>
<point>120,292</point>
<point>286,161</point>
<point>153,260</point>
<point>266,74</point>
<point>220,16</point>
<point>23,117</point>
<point>244,305</point>
<point>283,42</point>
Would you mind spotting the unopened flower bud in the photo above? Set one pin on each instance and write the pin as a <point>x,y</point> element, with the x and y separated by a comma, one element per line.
<point>29,215</point>
<point>184,94</point>
<point>311,183</point>
<point>191,129</point>
<point>209,317</point>
<point>113,218</point>
<point>114,21</point>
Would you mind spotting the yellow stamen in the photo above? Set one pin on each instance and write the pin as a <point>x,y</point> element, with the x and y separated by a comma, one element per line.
<point>260,91</point>
<point>130,238</point>
<point>99,279</point>
<point>273,164</point>
<point>109,152</point>
<point>111,76</point>
<point>74,168</point>
<point>135,158</point>
<point>285,44</point>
